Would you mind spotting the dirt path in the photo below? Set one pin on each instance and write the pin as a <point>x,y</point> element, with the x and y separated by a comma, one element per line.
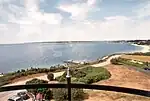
<point>5,95</point>
<point>107,62</point>
<point>27,77</point>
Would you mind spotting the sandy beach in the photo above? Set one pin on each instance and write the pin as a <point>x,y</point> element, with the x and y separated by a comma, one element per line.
<point>145,48</point>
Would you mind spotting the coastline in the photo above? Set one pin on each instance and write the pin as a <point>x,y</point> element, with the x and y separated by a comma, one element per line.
<point>105,60</point>
<point>145,48</point>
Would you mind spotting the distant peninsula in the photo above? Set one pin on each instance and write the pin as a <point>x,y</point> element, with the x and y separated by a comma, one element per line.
<point>138,42</point>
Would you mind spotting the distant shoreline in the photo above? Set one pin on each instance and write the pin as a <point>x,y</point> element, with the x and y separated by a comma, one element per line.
<point>53,42</point>
<point>79,41</point>
<point>105,60</point>
<point>145,48</point>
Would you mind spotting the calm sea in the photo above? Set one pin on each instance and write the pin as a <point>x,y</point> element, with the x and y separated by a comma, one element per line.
<point>18,56</point>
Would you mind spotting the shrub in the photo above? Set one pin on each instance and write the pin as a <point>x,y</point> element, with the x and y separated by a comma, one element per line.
<point>79,74</point>
<point>140,53</point>
<point>61,94</point>
<point>94,77</point>
<point>3,80</point>
<point>129,62</point>
<point>114,61</point>
<point>36,81</point>
<point>94,74</point>
<point>85,80</point>
<point>86,75</point>
<point>50,76</point>
<point>77,94</point>
<point>48,94</point>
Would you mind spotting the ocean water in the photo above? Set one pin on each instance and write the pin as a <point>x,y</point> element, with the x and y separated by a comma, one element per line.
<point>41,55</point>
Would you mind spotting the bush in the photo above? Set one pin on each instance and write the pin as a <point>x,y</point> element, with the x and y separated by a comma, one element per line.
<point>79,74</point>
<point>61,94</point>
<point>140,53</point>
<point>94,74</point>
<point>86,75</point>
<point>114,61</point>
<point>129,62</point>
<point>48,94</point>
<point>36,81</point>
<point>74,73</point>
<point>50,76</point>
<point>94,77</point>
<point>3,81</point>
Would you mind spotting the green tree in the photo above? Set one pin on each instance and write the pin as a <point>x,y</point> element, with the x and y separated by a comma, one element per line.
<point>50,76</point>
<point>36,81</point>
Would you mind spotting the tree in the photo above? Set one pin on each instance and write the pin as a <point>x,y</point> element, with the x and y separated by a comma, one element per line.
<point>50,76</point>
<point>114,61</point>
<point>36,81</point>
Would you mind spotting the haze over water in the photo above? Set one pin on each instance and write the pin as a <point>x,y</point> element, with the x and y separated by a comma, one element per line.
<point>18,56</point>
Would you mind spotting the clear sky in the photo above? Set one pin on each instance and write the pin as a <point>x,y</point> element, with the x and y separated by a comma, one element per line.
<point>69,20</point>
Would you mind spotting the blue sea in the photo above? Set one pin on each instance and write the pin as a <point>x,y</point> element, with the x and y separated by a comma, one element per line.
<point>41,55</point>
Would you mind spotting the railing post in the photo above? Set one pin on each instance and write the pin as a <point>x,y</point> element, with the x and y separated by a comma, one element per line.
<point>69,84</point>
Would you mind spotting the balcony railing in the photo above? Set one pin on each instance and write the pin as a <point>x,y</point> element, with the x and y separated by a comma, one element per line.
<point>70,85</point>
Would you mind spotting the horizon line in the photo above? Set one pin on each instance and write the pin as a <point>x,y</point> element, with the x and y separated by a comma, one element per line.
<point>74,41</point>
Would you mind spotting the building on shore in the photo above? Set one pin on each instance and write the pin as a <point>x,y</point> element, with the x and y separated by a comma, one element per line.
<point>1,74</point>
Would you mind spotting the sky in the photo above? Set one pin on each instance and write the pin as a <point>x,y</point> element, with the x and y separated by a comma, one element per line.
<point>24,21</point>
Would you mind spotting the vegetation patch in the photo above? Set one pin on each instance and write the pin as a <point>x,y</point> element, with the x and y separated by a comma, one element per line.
<point>86,75</point>
<point>58,94</point>
<point>140,53</point>
<point>45,92</point>
<point>37,81</point>
<point>115,61</point>
<point>61,94</point>
<point>50,76</point>
<point>8,77</point>
<point>130,62</point>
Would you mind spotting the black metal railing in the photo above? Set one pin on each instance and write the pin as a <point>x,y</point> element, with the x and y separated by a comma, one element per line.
<point>70,85</point>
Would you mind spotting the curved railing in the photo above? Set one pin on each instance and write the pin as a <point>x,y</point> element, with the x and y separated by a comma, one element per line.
<point>84,86</point>
<point>70,85</point>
